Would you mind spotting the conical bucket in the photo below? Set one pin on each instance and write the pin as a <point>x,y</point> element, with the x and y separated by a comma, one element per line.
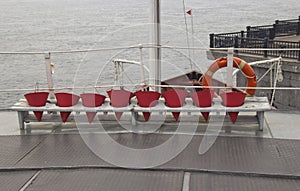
<point>233,99</point>
<point>37,99</point>
<point>175,98</point>
<point>66,100</point>
<point>147,99</point>
<point>92,100</point>
<point>203,99</point>
<point>119,98</point>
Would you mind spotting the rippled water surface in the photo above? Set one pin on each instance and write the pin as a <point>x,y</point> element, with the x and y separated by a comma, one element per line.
<point>47,25</point>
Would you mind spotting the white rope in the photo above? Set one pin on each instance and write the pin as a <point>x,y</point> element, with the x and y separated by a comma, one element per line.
<point>271,78</point>
<point>264,75</point>
<point>275,83</point>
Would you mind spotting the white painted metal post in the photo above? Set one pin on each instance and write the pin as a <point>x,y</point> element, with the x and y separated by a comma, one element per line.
<point>155,53</point>
<point>49,75</point>
<point>116,73</point>
<point>229,67</point>
<point>142,65</point>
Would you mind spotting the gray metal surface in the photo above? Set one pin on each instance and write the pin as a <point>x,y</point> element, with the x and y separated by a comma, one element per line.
<point>61,150</point>
<point>230,154</point>
<point>241,154</point>
<point>14,148</point>
<point>235,163</point>
<point>10,181</point>
<point>107,180</point>
<point>214,182</point>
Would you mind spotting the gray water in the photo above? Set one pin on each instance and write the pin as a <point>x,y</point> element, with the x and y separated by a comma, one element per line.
<point>47,25</point>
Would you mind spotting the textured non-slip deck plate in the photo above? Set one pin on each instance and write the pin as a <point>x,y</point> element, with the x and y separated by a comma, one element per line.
<point>107,180</point>
<point>61,150</point>
<point>14,180</point>
<point>235,163</point>
<point>230,154</point>
<point>14,148</point>
<point>237,154</point>
<point>215,182</point>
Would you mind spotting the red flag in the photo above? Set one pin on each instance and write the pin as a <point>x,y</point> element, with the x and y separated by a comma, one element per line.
<point>189,12</point>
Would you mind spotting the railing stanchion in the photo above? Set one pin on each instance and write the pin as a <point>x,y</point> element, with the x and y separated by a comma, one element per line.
<point>266,42</point>
<point>211,40</point>
<point>299,51</point>
<point>142,65</point>
<point>230,67</point>
<point>236,43</point>
<point>49,75</point>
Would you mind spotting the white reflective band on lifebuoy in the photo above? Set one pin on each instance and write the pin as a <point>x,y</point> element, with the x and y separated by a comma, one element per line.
<point>209,73</point>
<point>242,64</point>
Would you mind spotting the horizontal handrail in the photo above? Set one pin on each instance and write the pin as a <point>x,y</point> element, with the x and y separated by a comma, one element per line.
<point>150,85</point>
<point>146,46</point>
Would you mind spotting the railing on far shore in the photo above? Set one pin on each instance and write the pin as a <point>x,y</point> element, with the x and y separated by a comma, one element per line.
<point>262,37</point>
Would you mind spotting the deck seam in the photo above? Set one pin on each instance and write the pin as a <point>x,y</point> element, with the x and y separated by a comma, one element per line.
<point>31,150</point>
<point>190,170</point>
<point>30,181</point>
<point>186,181</point>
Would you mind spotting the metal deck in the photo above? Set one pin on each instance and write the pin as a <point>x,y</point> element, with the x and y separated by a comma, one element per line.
<point>106,180</point>
<point>64,162</point>
<point>217,182</point>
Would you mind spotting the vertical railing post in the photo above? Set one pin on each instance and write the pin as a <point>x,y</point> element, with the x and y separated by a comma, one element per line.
<point>266,42</point>
<point>212,40</point>
<point>236,43</point>
<point>142,65</point>
<point>229,67</point>
<point>155,51</point>
<point>299,51</point>
<point>298,28</point>
<point>49,75</point>
<point>272,32</point>
<point>248,31</point>
<point>242,38</point>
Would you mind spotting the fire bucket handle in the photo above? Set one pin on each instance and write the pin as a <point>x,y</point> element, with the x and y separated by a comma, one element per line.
<point>36,87</point>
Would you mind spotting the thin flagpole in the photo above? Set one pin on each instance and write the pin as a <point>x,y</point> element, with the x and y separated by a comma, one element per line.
<point>190,12</point>
<point>187,34</point>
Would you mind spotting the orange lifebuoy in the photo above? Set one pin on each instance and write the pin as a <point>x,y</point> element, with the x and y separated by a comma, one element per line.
<point>237,63</point>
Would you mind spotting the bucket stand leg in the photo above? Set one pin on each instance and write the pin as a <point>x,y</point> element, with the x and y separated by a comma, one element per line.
<point>21,117</point>
<point>134,116</point>
<point>261,119</point>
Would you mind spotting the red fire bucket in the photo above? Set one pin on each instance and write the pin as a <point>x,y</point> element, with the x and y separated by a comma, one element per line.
<point>119,98</point>
<point>92,100</point>
<point>147,99</point>
<point>203,99</point>
<point>37,99</point>
<point>66,100</point>
<point>175,98</point>
<point>233,99</point>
